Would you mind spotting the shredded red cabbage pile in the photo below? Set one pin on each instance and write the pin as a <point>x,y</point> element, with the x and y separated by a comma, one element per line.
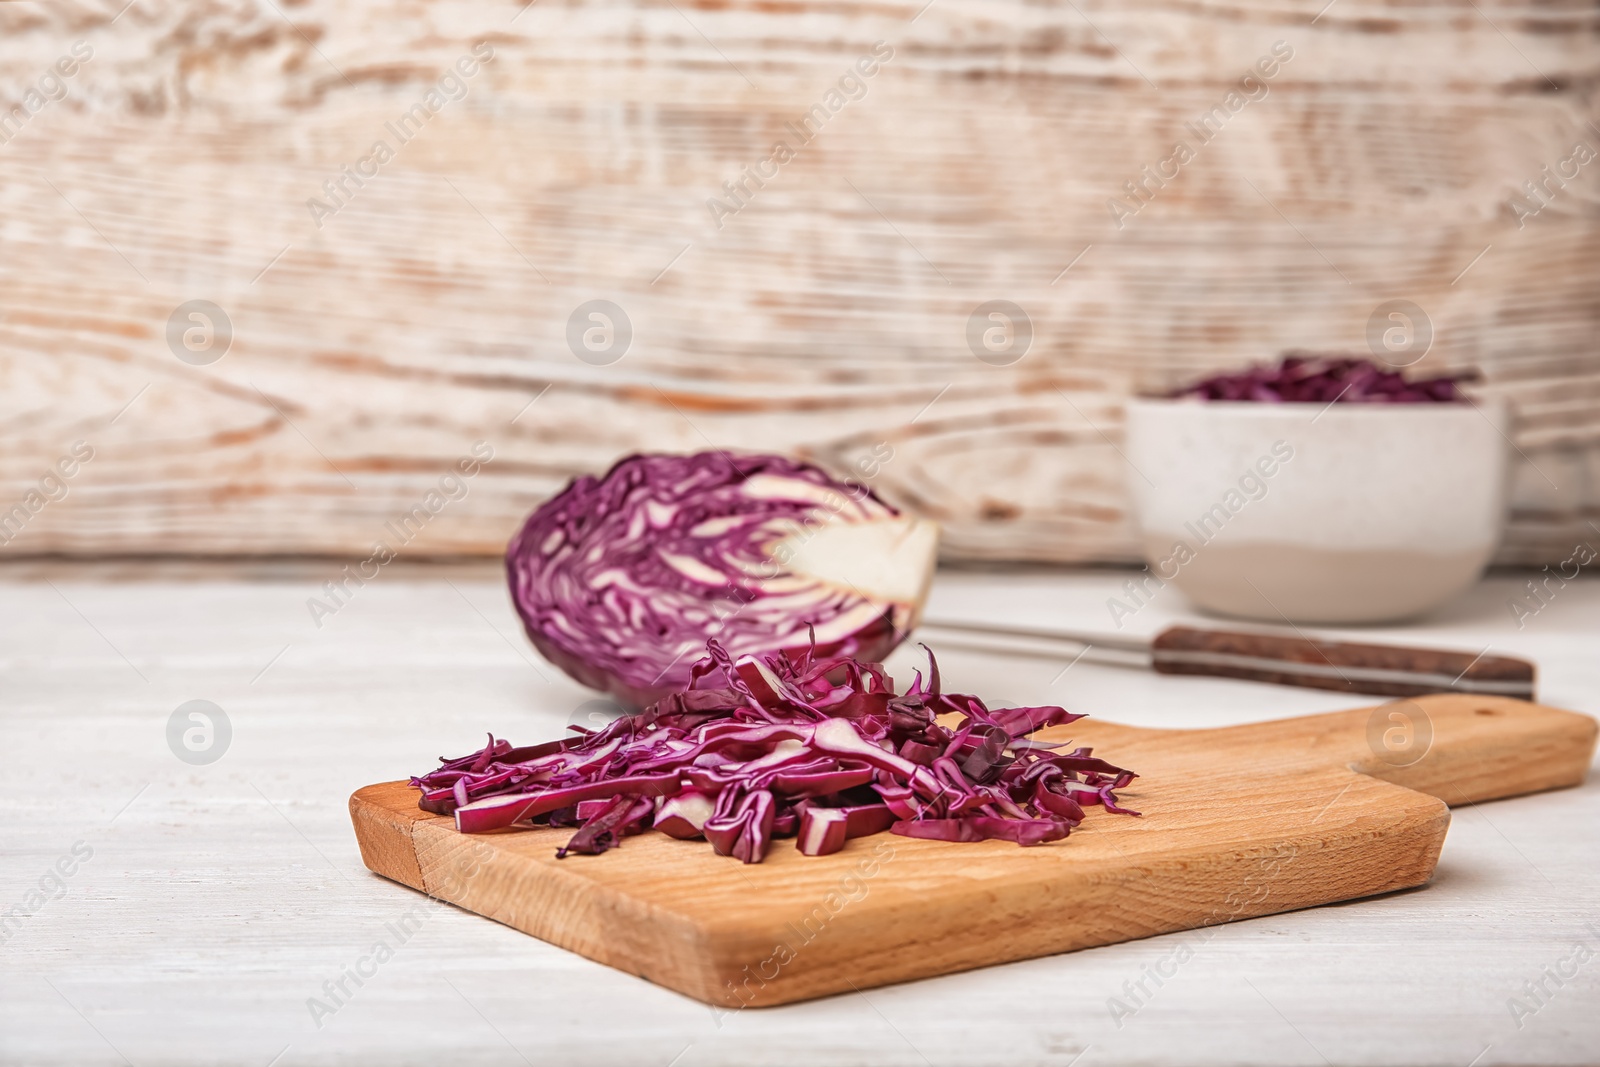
<point>1306,378</point>
<point>791,745</point>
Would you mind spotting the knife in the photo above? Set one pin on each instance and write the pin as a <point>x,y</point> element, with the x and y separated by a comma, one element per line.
<point>1345,666</point>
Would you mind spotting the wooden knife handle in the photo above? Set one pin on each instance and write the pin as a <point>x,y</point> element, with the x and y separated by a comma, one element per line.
<point>1390,670</point>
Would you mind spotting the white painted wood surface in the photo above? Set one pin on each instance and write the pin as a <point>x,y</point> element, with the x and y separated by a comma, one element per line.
<point>827,316</point>
<point>219,898</point>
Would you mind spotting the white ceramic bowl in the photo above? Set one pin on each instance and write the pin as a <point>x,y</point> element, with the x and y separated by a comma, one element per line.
<point>1349,513</point>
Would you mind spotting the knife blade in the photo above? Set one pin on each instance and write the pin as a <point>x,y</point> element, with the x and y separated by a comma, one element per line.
<point>1280,659</point>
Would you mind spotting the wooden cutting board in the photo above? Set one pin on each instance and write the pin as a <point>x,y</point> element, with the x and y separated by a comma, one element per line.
<point>1238,822</point>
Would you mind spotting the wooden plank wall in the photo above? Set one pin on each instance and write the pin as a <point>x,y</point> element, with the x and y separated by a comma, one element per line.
<point>373,345</point>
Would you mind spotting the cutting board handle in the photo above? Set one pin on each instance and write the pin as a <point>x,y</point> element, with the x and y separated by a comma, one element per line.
<point>1459,748</point>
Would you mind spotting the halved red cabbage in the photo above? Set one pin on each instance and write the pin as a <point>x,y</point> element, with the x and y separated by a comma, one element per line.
<point>621,580</point>
<point>788,745</point>
<point>1309,378</point>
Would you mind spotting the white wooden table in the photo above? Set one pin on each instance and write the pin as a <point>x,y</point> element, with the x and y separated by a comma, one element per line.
<point>219,898</point>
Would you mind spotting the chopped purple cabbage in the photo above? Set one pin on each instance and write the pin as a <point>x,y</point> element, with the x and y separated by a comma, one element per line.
<point>1306,378</point>
<point>792,745</point>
